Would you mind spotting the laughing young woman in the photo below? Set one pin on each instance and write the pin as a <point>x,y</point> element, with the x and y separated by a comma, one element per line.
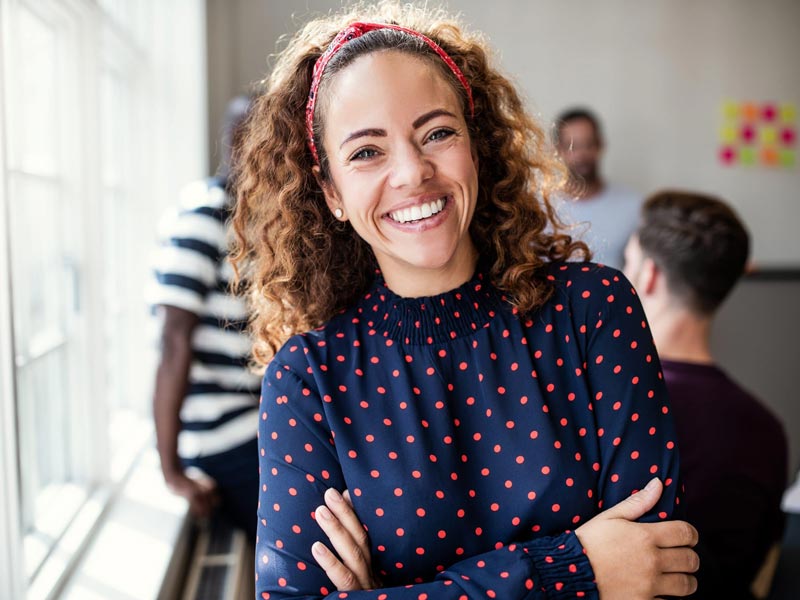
<point>448,404</point>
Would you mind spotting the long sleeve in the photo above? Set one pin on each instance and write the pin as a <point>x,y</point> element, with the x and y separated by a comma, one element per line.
<point>472,439</point>
<point>629,400</point>
<point>299,461</point>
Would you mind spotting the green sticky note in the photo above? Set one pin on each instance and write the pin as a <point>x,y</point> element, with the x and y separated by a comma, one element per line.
<point>787,158</point>
<point>788,113</point>
<point>728,134</point>
<point>747,156</point>
<point>768,135</point>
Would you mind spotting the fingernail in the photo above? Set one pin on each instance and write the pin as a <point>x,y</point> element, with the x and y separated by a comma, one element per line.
<point>318,549</point>
<point>333,495</point>
<point>324,513</point>
<point>653,483</point>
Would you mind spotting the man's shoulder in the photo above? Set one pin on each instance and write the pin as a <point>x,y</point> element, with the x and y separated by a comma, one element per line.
<point>202,211</point>
<point>205,196</point>
<point>696,385</point>
<point>621,194</point>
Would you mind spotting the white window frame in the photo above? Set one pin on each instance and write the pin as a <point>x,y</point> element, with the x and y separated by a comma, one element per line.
<point>169,64</point>
<point>12,583</point>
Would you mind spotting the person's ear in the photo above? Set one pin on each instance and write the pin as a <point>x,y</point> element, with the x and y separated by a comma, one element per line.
<point>651,276</point>
<point>332,198</point>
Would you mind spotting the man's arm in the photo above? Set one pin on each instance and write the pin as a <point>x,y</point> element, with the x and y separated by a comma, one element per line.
<point>170,388</point>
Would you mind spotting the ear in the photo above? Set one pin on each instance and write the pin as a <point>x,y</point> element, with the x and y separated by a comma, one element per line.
<point>651,276</point>
<point>328,190</point>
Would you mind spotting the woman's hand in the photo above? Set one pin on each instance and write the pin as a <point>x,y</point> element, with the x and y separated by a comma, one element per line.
<point>634,561</point>
<point>347,535</point>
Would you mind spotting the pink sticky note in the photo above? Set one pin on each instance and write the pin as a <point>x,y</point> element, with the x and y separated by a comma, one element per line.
<point>788,136</point>
<point>748,134</point>
<point>727,155</point>
<point>769,112</point>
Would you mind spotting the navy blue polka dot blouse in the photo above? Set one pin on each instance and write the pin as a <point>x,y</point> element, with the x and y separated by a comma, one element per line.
<point>472,439</point>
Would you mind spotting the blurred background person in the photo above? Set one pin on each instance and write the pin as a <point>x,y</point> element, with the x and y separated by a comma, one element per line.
<point>605,213</point>
<point>687,254</point>
<point>205,400</point>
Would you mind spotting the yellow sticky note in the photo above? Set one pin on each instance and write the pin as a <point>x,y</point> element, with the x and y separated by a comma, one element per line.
<point>728,134</point>
<point>788,113</point>
<point>730,110</point>
<point>768,135</point>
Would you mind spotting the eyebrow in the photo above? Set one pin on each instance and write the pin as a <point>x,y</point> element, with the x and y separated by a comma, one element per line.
<point>363,133</point>
<point>428,116</point>
<point>418,122</point>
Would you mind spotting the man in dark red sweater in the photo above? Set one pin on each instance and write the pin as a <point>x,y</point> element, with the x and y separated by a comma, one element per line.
<point>686,255</point>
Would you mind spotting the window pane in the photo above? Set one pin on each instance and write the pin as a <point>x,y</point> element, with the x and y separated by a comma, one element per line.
<point>44,293</point>
<point>35,129</point>
<point>127,397</point>
<point>44,438</point>
<point>115,126</point>
<point>44,219</point>
<point>42,286</point>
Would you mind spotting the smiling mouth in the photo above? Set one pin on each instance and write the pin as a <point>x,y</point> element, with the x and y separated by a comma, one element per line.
<point>414,214</point>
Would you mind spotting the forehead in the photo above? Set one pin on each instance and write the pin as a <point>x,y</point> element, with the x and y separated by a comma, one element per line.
<point>577,128</point>
<point>385,85</point>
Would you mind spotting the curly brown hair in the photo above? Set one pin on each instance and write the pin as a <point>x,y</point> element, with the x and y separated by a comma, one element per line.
<point>300,266</point>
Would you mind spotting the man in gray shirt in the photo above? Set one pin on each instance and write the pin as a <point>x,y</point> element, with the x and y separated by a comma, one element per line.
<point>604,215</point>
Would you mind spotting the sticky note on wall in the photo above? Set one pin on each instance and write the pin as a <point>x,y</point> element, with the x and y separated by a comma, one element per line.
<point>755,134</point>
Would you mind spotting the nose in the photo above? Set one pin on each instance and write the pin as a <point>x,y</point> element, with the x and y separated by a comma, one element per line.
<point>410,167</point>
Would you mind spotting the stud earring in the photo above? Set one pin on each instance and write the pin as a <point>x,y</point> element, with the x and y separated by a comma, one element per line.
<point>338,213</point>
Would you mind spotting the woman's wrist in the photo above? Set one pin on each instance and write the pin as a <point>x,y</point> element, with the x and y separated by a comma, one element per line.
<point>560,566</point>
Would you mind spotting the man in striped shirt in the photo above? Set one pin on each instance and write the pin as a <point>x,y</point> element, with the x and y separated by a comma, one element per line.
<point>205,401</point>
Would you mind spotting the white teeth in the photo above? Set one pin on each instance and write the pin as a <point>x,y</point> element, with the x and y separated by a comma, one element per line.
<point>415,213</point>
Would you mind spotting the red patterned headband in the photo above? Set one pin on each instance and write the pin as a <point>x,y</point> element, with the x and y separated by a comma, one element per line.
<point>352,32</point>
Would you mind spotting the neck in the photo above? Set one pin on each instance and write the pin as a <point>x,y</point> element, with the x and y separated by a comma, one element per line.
<point>681,335</point>
<point>582,189</point>
<point>418,282</point>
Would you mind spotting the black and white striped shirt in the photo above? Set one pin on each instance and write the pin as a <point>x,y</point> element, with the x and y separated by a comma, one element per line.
<point>220,410</point>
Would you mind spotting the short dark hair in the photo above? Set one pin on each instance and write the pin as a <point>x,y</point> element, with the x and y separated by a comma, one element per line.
<point>575,114</point>
<point>698,242</point>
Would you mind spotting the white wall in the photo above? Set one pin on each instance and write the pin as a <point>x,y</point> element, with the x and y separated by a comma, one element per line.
<point>656,72</point>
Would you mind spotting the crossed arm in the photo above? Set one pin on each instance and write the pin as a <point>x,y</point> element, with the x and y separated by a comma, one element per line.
<point>630,560</point>
<point>626,559</point>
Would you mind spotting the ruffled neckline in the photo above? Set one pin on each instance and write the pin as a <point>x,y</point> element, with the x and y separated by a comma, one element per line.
<point>434,319</point>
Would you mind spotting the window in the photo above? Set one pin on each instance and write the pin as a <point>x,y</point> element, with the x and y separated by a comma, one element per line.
<point>85,174</point>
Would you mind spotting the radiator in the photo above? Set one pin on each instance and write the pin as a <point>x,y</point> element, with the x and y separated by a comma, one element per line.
<point>221,567</point>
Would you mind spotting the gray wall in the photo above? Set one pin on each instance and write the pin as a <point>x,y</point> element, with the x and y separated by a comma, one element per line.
<point>755,338</point>
<point>657,73</point>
